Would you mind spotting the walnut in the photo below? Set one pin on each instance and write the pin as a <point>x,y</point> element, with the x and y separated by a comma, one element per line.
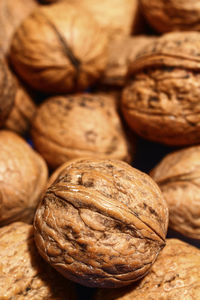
<point>162,101</point>
<point>172,15</point>
<point>23,176</point>
<point>175,275</point>
<point>59,49</point>
<point>23,273</point>
<point>178,176</point>
<point>22,113</point>
<point>68,127</point>
<point>11,15</point>
<point>101,223</point>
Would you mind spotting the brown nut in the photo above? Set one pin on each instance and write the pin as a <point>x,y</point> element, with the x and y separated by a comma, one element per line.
<point>68,127</point>
<point>23,273</point>
<point>172,15</point>
<point>11,15</point>
<point>101,223</point>
<point>175,275</point>
<point>59,48</point>
<point>178,176</point>
<point>162,101</point>
<point>23,175</point>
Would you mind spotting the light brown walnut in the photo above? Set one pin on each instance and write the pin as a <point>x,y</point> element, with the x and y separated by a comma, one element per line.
<point>23,273</point>
<point>161,101</point>
<point>68,127</point>
<point>59,48</point>
<point>175,275</point>
<point>101,223</point>
<point>178,176</point>
<point>23,176</point>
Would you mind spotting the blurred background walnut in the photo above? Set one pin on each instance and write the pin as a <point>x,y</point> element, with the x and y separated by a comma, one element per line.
<point>175,275</point>
<point>101,223</point>
<point>178,176</point>
<point>59,49</point>
<point>23,273</point>
<point>23,176</point>
<point>83,125</point>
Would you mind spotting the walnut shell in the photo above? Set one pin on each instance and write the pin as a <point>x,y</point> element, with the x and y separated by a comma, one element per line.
<point>175,275</point>
<point>23,273</point>
<point>161,103</point>
<point>101,223</point>
<point>172,15</point>
<point>59,49</point>
<point>23,175</point>
<point>11,15</point>
<point>178,176</point>
<point>23,112</point>
<point>68,127</point>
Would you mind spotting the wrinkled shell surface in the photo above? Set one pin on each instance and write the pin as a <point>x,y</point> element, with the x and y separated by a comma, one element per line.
<point>178,176</point>
<point>172,15</point>
<point>101,223</point>
<point>79,126</point>
<point>161,103</point>
<point>23,176</point>
<point>59,48</point>
<point>175,275</point>
<point>23,273</point>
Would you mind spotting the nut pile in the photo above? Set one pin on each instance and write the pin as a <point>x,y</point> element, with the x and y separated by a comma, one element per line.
<point>93,190</point>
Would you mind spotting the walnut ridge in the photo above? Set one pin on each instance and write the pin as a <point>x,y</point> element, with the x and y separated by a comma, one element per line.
<point>101,223</point>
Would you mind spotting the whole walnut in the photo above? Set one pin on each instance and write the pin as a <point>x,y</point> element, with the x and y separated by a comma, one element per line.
<point>22,113</point>
<point>172,15</point>
<point>101,223</point>
<point>174,276</point>
<point>178,176</point>
<point>23,273</point>
<point>7,91</point>
<point>162,101</point>
<point>67,127</point>
<point>11,15</point>
<point>23,176</point>
<point>59,48</point>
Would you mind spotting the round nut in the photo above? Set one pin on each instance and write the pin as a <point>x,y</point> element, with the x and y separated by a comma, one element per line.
<point>178,176</point>
<point>161,103</point>
<point>68,127</point>
<point>172,15</point>
<point>175,275</point>
<point>59,49</point>
<point>23,176</point>
<point>101,223</point>
<point>23,273</point>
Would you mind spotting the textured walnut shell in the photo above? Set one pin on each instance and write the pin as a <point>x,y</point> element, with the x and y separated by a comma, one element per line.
<point>23,175</point>
<point>23,273</point>
<point>175,275</point>
<point>161,103</point>
<point>178,176</point>
<point>101,223</point>
<point>22,113</point>
<point>59,48</point>
<point>68,127</point>
<point>11,15</point>
<point>172,15</point>
<point>121,54</point>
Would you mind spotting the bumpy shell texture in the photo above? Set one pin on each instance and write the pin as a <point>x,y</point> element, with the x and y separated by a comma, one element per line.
<point>175,275</point>
<point>23,273</point>
<point>59,48</point>
<point>161,102</point>
<point>178,176</point>
<point>101,223</point>
<point>68,127</point>
<point>23,176</point>
<point>172,15</point>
